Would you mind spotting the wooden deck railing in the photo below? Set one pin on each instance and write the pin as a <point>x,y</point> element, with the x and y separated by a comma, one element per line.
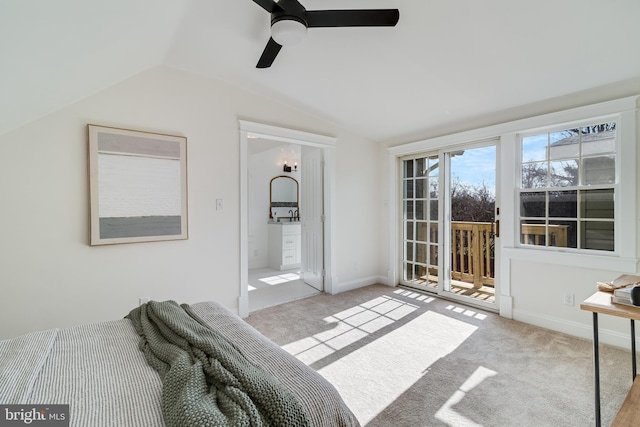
<point>472,256</point>
<point>472,248</point>
<point>537,234</point>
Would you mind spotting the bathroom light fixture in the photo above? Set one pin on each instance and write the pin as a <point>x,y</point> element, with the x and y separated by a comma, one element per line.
<point>287,168</point>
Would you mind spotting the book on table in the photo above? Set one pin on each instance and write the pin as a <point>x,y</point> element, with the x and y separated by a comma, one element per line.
<point>623,301</point>
<point>623,292</point>
<point>622,288</point>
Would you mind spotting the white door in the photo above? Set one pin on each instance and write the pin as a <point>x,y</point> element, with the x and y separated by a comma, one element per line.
<point>312,216</point>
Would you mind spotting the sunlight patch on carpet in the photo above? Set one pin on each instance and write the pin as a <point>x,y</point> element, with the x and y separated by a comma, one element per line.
<point>418,296</point>
<point>349,327</point>
<point>467,311</point>
<point>447,413</point>
<point>413,347</point>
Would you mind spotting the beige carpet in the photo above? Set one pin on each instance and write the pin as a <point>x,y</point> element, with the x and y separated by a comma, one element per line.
<point>401,358</point>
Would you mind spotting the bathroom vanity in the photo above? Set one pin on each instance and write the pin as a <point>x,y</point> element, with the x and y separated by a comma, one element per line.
<point>285,245</point>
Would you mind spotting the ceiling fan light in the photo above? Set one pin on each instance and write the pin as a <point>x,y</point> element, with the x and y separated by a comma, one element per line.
<point>287,32</point>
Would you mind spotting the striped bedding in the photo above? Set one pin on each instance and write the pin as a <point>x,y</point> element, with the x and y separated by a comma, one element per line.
<point>99,371</point>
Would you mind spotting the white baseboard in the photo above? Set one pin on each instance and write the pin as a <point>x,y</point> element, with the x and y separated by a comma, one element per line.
<point>506,306</point>
<point>605,336</point>
<point>358,283</point>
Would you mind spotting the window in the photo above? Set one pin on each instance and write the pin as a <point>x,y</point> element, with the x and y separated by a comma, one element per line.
<point>567,189</point>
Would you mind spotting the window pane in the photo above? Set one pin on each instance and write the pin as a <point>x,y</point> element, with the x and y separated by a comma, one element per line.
<point>420,167</point>
<point>421,253</point>
<point>433,255</point>
<point>534,148</point>
<point>563,234</point>
<point>408,272</point>
<point>433,187</point>
<point>420,273</point>
<point>433,212</point>
<point>564,173</point>
<point>434,232</point>
<point>564,144</point>
<point>433,166</point>
<point>534,175</point>
<point>599,170</point>
<point>409,251</point>
<point>533,232</point>
<point>599,139</point>
<point>533,204</point>
<point>563,204</point>
<point>421,209</point>
<point>597,235</point>
<point>408,231</point>
<point>422,229</point>
<point>408,169</point>
<point>408,189</point>
<point>421,188</point>
<point>408,209</point>
<point>597,203</point>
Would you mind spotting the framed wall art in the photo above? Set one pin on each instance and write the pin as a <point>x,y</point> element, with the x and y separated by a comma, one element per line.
<point>138,186</point>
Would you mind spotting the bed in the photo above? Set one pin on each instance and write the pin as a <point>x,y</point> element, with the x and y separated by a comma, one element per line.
<point>100,371</point>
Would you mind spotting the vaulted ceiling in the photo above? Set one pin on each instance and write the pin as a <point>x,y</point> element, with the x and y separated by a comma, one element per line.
<point>445,62</point>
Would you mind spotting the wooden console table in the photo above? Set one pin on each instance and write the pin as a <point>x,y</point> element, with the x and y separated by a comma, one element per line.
<point>600,302</point>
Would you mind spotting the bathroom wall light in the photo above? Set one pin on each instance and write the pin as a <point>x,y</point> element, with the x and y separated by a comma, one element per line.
<point>287,168</point>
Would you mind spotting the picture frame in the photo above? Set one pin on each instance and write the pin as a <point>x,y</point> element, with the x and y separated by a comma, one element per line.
<point>137,185</point>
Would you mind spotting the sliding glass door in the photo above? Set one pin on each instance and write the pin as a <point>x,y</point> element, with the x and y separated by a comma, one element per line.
<point>449,223</point>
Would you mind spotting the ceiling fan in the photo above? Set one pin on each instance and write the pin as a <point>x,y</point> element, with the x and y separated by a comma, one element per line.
<point>290,20</point>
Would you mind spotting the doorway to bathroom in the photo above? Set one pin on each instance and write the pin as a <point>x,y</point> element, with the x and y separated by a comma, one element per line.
<point>284,251</point>
<point>282,181</point>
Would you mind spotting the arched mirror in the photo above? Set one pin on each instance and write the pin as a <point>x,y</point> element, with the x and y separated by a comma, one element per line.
<point>283,195</point>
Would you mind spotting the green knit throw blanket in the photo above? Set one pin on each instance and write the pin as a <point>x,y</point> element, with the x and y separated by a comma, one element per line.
<point>206,380</point>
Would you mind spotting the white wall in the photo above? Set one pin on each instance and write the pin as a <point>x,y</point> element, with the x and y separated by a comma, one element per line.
<point>50,276</point>
<point>357,216</point>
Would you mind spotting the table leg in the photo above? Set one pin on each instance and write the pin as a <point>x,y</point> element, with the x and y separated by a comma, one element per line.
<point>596,367</point>
<point>633,347</point>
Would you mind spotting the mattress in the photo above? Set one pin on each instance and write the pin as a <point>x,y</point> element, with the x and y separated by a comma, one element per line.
<point>98,370</point>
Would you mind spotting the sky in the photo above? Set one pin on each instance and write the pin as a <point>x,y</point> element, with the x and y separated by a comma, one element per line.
<point>475,166</point>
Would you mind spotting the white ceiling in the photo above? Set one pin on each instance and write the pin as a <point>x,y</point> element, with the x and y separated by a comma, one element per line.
<point>445,62</point>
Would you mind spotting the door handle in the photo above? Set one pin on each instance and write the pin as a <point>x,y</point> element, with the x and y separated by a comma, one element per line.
<point>497,228</point>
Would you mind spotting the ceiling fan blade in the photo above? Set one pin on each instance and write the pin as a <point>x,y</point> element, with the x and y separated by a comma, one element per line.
<point>268,5</point>
<point>269,54</point>
<point>353,18</point>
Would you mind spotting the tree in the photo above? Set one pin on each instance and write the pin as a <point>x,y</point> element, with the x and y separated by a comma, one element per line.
<point>473,203</point>
<point>534,175</point>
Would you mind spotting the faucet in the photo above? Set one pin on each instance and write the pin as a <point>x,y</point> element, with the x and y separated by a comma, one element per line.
<point>290,215</point>
<point>297,215</point>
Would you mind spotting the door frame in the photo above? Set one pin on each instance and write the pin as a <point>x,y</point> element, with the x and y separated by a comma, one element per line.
<point>250,130</point>
<point>438,145</point>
